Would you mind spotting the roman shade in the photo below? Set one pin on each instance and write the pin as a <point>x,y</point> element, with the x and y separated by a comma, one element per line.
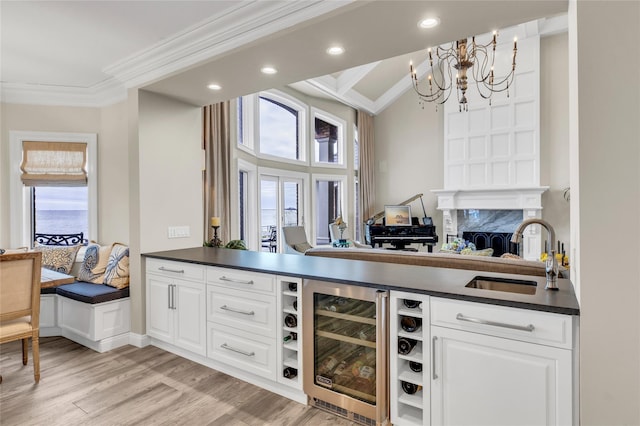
<point>54,163</point>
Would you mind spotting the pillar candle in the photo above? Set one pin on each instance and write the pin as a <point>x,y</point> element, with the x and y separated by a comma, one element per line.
<point>215,221</point>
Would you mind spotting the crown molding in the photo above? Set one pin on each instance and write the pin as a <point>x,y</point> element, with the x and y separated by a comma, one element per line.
<point>244,23</point>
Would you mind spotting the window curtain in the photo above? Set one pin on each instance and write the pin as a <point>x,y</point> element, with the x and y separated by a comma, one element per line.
<point>217,174</point>
<point>367,165</point>
<point>54,164</point>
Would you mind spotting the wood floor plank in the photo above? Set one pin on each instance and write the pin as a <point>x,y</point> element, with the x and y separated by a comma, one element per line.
<point>131,386</point>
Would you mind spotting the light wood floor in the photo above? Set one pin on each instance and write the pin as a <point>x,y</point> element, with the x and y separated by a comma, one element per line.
<point>130,385</point>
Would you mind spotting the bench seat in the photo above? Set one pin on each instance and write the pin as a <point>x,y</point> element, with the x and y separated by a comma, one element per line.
<point>95,315</point>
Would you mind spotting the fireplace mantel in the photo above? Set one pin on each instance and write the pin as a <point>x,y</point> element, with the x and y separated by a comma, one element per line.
<point>491,198</point>
<point>527,199</point>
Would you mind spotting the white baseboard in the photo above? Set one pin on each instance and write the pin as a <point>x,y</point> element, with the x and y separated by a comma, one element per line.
<point>103,345</point>
<point>50,332</point>
<point>139,340</point>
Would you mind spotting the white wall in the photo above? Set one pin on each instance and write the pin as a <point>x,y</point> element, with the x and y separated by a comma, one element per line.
<point>606,149</point>
<point>409,155</point>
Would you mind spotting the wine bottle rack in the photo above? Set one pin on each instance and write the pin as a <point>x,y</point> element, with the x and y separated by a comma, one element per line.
<point>409,409</point>
<point>290,351</point>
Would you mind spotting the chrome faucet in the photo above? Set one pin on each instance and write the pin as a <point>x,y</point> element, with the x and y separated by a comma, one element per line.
<point>551,264</point>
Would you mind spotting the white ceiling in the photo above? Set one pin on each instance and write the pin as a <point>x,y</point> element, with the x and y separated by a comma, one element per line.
<point>89,53</point>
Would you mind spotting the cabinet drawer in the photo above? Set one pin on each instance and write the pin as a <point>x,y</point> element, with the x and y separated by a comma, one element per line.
<point>239,350</point>
<point>168,268</point>
<point>241,280</point>
<point>253,313</point>
<point>520,324</point>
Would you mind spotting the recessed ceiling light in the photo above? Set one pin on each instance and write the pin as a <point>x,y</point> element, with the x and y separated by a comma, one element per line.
<point>269,70</point>
<point>335,50</point>
<point>214,86</point>
<point>429,22</point>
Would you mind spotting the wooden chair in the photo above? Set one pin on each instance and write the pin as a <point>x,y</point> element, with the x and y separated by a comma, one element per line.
<point>20,303</point>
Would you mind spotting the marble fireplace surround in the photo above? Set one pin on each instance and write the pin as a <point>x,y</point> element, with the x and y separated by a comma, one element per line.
<point>493,210</point>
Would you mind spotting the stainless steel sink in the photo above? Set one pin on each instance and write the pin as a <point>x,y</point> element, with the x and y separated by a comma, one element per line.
<point>503,284</point>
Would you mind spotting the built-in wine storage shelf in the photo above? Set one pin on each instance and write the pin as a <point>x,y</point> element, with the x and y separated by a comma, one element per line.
<point>409,359</point>
<point>290,331</point>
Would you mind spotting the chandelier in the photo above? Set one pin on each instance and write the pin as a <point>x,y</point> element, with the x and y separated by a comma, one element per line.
<point>475,61</point>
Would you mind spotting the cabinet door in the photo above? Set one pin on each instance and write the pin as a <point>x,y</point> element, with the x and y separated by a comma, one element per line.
<point>159,313</point>
<point>485,380</point>
<point>190,316</point>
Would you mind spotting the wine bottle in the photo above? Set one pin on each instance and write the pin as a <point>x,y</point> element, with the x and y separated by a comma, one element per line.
<point>409,387</point>
<point>411,304</point>
<point>415,366</point>
<point>290,372</point>
<point>291,321</point>
<point>293,287</point>
<point>295,305</point>
<point>290,336</point>
<point>328,365</point>
<point>410,324</point>
<point>405,345</point>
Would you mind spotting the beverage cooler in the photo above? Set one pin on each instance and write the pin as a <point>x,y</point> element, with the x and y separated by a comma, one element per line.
<point>346,368</point>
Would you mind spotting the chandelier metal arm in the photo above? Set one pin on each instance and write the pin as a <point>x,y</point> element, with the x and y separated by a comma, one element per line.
<point>469,60</point>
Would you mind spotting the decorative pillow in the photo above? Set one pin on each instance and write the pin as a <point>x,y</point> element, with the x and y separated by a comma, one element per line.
<point>483,252</point>
<point>94,264</point>
<point>58,258</point>
<point>117,273</point>
<point>302,247</point>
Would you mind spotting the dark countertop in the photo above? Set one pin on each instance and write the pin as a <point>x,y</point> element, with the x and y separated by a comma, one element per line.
<point>440,282</point>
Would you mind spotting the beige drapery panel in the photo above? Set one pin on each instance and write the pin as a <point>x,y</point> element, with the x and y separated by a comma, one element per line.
<point>54,163</point>
<point>216,142</point>
<point>367,165</point>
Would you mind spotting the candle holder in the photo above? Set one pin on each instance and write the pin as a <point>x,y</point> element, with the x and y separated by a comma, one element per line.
<point>215,241</point>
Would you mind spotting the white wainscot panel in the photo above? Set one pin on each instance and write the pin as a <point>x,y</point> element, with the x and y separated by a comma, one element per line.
<point>477,120</point>
<point>499,146</point>
<point>478,174</point>
<point>525,143</point>
<point>499,173</point>
<point>456,176</point>
<point>456,124</point>
<point>525,114</point>
<point>524,172</point>
<point>477,148</point>
<point>525,85</point>
<point>456,149</point>
<point>500,117</point>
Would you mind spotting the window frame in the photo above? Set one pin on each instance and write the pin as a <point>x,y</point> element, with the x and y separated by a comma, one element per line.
<point>315,178</point>
<point>342,130</point>
<point>249,108</point>
<point>20,215</point>
<point>303,139</point>
<point>251,206</point>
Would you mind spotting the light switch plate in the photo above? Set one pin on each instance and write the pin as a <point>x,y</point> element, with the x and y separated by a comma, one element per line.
<point>178,232</point>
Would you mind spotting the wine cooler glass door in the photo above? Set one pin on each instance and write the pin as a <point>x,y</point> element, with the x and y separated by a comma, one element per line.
<point>348,356</point>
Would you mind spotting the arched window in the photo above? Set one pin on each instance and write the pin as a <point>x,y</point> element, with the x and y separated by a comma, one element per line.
<point>281,128</point>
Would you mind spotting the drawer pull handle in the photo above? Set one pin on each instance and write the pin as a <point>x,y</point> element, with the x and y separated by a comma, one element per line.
<point>528,328</point>
<point>232,280</point>
<point>240,351</point>
<point>238,311</point>
<point>177,271</point>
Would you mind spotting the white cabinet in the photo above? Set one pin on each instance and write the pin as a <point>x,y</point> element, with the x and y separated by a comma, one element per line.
<point>497,365</point>
<point>176,304</point>
<point>241,320</point>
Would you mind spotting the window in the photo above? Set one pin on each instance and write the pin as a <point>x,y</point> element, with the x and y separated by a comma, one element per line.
<point>329,204</point>
<point>52,203</point>
<point>328,141</point>
<point>356,187</point>
<point>60,210</point>
<point>281,127</point>
<point>243,190</point>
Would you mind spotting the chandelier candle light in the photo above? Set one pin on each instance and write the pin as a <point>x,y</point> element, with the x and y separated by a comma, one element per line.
<point>475,59</point>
